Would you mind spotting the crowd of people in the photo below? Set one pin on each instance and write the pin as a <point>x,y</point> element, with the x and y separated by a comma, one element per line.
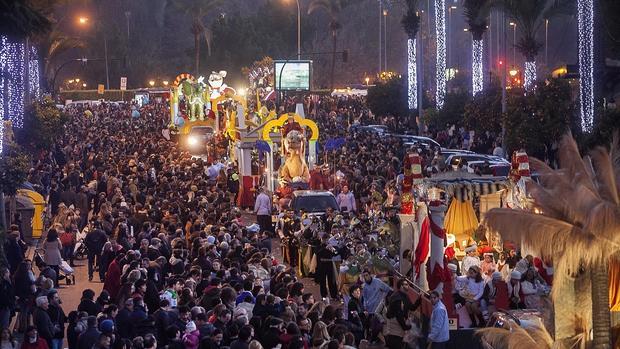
<point>182,267</point>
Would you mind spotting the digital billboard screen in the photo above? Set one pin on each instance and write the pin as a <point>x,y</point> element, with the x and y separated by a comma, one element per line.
<point>295,75</point>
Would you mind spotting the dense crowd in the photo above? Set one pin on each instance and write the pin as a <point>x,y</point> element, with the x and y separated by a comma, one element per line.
<point>182,267</point>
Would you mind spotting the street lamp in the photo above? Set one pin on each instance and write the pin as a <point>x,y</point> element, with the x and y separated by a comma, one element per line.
<point>83,21</point>
<point>165,82</point>
<point>450,34</point>
<point>514,42</point>
<point>513,71</point>
<point>84,85</point>
<point>367,80</point>
<point>298,29</point>
<point>385,13</point>
<point>151,83</point>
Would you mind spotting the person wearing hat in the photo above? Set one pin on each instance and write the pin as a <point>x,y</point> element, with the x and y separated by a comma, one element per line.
<point>471,258</point>
<point>514,291</point>
<point>13,249</point>
<point>495,295</point>
<point>191,337</point>
<point>487,266</point>
<point>473,295</point>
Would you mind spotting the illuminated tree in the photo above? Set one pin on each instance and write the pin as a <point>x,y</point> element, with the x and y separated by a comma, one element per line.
<point>411,24</point>
<point>476,14</point>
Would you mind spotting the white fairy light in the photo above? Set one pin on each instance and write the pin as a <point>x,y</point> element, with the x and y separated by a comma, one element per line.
<point>585,19</point>
<point>13,70</point>
<point>33,67</point>
<point>529,75</point>
<point>477,74</point>
<point>412,75</point>
<point>3,63</point>
<point>440,68</point>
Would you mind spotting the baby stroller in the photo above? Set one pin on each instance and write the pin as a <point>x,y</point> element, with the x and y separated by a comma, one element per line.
<point>65,270</point>
<point>80,251</point>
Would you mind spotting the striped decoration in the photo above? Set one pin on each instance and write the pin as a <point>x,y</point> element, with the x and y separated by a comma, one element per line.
<point>467,189</point>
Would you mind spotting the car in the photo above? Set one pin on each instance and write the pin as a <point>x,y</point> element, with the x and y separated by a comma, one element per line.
<point>488,168</point>
<point>455,159</point>
<point>198,138</point>
<point>313,202</point>
<point>415,140</point>
<point>376,129</point>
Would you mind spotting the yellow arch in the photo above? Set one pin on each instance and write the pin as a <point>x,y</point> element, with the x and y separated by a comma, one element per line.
<point>279,122</point>
<point>39,207</point>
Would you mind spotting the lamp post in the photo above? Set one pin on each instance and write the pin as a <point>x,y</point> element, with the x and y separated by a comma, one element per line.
<point>298,29</point>
<point>84,21</point>
<point>546,42</point>
<point>385,13</point>
<point>450,35</point>
<point>514,42</point>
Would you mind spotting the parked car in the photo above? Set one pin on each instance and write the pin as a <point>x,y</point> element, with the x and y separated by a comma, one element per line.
<point>455,159</point>
<point>415,140</point>
<point>315,202</point>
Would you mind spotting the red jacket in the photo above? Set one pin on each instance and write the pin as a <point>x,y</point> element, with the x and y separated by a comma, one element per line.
<point>112,282</point>
<point>39,344</point>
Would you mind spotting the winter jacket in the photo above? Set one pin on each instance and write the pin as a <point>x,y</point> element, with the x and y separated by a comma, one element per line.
<point>52,252</point>
<point>191,339</point>
<point>44,324</point>
<point>88,338</point>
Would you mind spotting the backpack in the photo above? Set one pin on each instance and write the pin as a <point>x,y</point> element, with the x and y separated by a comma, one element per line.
<point>66,239</point>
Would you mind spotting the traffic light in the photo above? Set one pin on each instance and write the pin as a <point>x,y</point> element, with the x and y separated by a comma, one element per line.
<point>345,56</point>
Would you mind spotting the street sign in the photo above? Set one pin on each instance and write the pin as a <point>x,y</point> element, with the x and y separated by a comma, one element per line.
<point>123,83</point>
<point>100,88</point>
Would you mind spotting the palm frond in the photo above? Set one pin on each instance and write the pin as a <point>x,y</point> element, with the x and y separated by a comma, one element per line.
<point>19,20</point>
<point>411,20</point>
<point>477,14</point>
<point>604,174</point>
<point>317,5</point>
<point>208,34</point>
<point>518,338</point>
<point>571,161</point>
<point>615,157</point>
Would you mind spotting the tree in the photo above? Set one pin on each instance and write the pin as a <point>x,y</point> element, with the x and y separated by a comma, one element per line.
<point>451,113</point>
<point>484,112</point>
<point>476,15</point>
<point>18,19</point>
<point>534,120</point>
<point>388,98</point>
<point>197,10</point>
<point>411,25</point>
<point>576,222</point>
<point>52,47</point>
<point>43,125</point>
<point>333,8</point>
<point>529,16</point>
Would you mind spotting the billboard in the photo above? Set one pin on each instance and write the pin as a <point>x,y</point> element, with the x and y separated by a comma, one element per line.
<point>295,75</point>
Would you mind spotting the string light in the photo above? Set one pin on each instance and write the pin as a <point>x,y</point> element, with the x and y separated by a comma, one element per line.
<point>440,68</point>
<point>585,19</point>
<point>412,75</point>
<point>3,60</point>
<point>35,90</point>
<point>477,76</point>
<point>529,75</point>
<point>13,71</point>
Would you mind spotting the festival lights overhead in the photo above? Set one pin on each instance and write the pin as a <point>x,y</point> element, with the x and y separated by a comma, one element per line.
<point>529,75</point>
<point>477,74</point>
<point>412,75</point>
<point>3,60</point>
<point>585,19</point>
<point>35,90</point>
<point>440,68</point>
<point>13,71</point>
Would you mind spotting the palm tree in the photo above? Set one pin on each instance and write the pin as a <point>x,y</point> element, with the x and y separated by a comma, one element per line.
<point>411,25</point>
<point>19,20</point>
<point>333,8</point>
<point>579,225</point>
<point>529,17</point>
<point>476,14</point>
<point>197,10</point>
<point>54,46</point>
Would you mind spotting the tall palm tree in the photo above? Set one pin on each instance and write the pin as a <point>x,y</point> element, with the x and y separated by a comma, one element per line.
<point>333,8</point>
<point>477,14</point>
<point>197,10</point>
<point>579,225</point>
<point>19,20</point>
<point>411,25</point>
<point>54,46</point>
<point>529,17</point>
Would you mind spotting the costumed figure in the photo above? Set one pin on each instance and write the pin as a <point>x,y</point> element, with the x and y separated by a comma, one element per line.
<point>294,173</point>
<point>218,87</point>
<point>471,259</point>
<point>412,167</point>
<point>194,93</point>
